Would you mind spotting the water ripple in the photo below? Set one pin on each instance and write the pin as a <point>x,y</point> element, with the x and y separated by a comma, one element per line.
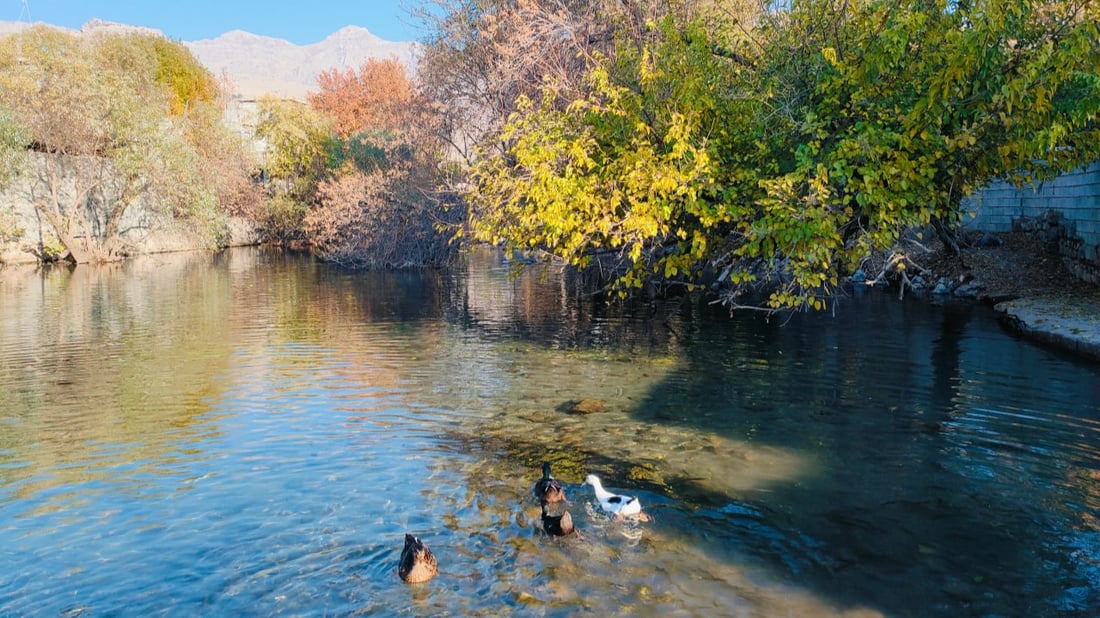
<point>253,434</point>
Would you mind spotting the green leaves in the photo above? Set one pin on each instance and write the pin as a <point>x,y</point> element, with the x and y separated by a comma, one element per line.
<point>13,142</point>
<point>300,151</point>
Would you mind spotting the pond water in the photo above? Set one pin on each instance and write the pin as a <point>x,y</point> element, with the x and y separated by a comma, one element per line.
<point>252,433</point>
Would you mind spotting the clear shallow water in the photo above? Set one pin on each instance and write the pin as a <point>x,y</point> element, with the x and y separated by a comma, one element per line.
<point>253,433</point>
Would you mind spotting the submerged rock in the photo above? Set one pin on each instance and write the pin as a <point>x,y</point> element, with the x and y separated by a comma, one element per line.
<point>583,406</point>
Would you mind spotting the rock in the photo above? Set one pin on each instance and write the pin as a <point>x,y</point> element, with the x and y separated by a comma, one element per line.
<point>583,406</point>
<point>990,240</point>
<point>968,290</point>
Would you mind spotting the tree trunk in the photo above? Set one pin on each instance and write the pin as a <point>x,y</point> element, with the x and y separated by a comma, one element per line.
<point>947,236</point>
<point>76,249</point>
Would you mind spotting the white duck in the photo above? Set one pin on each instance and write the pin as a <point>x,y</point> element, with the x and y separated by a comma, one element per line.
<point>616,506</point>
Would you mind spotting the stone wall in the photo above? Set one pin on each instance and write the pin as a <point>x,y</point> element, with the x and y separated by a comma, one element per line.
<point>1064,212</point>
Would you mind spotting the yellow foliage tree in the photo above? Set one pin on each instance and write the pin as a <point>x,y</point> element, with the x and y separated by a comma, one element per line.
<point>788,143</point>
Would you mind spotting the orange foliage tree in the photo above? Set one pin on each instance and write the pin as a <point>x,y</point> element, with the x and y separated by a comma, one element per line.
<point>377,96</point>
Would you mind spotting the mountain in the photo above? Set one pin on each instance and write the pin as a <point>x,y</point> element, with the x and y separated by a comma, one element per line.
<point>256,65</point>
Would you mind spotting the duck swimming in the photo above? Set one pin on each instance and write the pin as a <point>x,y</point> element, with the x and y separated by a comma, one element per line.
<point>615,505</point>
<point>418,565</point>
<point>557,525</point>
<point>548,490</point>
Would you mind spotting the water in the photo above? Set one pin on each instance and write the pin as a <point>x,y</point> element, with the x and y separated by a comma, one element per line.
<point>253,433</point>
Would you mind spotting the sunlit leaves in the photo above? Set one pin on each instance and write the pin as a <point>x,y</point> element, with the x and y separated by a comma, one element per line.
<point>600,175</point>
<point>378,97</point>
<point>299,145</point>
<point>151,59</point>
<point>187,81</point>
<point>378,203</point>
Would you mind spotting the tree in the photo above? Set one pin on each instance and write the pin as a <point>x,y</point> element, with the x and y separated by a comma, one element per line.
<point>481,56</point>
<point>788,144</point>
<point>97,120</point>
<point>186,83</point>
<point>382,219</point>
<point>378,96</point>
<point>382,207</point>
<point>916,104</point>
<point>301,150</point>
<point>623,169</point>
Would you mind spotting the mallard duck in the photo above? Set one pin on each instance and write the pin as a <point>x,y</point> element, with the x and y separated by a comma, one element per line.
<point>557,525</point>
<point>418,565</point>
<point>548,490</point>
<point>615,505</point>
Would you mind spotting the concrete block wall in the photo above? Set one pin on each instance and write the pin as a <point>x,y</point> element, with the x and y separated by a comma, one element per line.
<point>1064,212</point>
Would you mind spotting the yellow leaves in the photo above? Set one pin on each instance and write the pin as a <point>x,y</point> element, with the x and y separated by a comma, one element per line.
<point>185,78</point>
<point>646,71</point>
<point>599,174</point>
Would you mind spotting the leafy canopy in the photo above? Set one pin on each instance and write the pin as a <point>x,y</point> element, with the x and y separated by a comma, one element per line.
<point>788,144</point>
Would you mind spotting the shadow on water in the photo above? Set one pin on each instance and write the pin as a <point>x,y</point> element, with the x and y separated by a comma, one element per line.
<point>902,455</point>
<point>926,496</point>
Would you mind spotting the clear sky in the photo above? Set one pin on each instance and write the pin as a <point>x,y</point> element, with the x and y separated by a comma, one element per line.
<point>302,22</point>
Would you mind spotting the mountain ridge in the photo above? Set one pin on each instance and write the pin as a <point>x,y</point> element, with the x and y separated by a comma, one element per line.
<point>256,65</point>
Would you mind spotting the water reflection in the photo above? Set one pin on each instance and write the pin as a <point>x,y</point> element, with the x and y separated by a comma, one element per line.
<point>111,365</point>
<point>253,433</point>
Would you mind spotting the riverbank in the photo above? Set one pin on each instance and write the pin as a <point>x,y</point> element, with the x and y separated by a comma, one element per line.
<point>1036,296</point>
<point>167,236</point>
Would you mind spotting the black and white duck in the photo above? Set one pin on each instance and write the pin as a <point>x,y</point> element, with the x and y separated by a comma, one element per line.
<point>616,505</point>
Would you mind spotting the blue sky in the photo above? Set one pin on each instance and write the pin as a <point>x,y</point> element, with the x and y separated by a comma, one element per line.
<point>302,22</point>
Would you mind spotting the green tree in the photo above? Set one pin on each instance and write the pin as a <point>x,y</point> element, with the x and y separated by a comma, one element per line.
<point>13,141</point>
<point>300,150</point>
<point>13,161</point>
<point>914,105</point>
<point>788,144</point>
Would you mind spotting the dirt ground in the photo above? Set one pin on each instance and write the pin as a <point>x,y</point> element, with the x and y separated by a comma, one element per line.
<point>1035,294</point>
<point>1020,267</point>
